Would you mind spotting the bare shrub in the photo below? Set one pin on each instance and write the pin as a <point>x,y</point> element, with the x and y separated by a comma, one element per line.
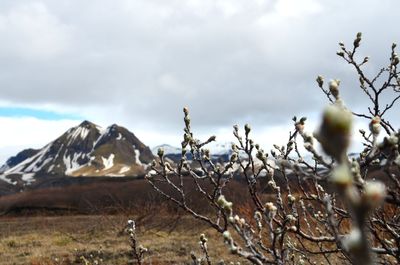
<point>330,209</point>
<point>138,251</point>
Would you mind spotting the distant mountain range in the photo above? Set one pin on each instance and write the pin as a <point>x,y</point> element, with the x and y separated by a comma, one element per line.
<point>218,151</point>
<point>89,150</point>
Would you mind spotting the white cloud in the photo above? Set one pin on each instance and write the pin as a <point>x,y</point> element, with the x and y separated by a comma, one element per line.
<point>30,30</point>
<point>137,63</point>
<point>20,133</point>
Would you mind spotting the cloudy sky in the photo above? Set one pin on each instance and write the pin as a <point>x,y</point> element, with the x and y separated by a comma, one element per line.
<point>138,62</point>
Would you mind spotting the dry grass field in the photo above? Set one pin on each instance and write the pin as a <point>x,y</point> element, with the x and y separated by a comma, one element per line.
<point>68,225</point>
<point>100,240</point>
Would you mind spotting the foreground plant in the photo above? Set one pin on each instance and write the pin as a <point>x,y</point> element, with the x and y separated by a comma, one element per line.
<point>331,208</point>
<point>137,250</point>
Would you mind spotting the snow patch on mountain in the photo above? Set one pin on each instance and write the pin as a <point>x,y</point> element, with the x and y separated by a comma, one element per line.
<point>50,169</point>
<point>4,177</point>
<point>108,162</point>
<point>28,178</point>
<point>137,155</point>
<point>124,169</point>
<point>82,132</point>
<point>71,163</point>
<point>39,162</point>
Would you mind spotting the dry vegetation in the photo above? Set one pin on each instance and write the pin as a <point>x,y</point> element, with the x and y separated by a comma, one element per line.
<point>71,239</point>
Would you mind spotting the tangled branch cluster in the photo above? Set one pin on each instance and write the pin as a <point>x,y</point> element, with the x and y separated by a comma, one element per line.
<point>330,209</point>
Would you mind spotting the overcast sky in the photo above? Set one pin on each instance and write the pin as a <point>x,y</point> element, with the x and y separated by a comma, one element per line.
<point>138,62</point>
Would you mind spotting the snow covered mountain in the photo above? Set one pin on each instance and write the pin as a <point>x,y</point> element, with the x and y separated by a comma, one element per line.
<point>84,150</point>
<point>168,149</point>
<point>218,151</point>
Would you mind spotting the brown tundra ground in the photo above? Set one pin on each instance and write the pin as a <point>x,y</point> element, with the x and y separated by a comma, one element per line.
<point>100,239</point>
<point>63,235</point>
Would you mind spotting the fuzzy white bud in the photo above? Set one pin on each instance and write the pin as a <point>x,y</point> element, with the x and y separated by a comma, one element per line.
<point>320,80</point>
<point>223,203</point>
<point>270,206</point>
<point>374,193</point>
<point>291,218</point>
<point>375,125</point>
<point>160,152</point>
<point>352,241</point>
<point>341,176</point>
<point>203,238</point>
<point>291,198</point>
<point>227,235</point>
<point>335,131</point>
<point>334,87</point>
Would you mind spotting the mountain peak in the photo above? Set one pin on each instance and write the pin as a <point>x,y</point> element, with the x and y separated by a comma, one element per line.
<point>87,124</point>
